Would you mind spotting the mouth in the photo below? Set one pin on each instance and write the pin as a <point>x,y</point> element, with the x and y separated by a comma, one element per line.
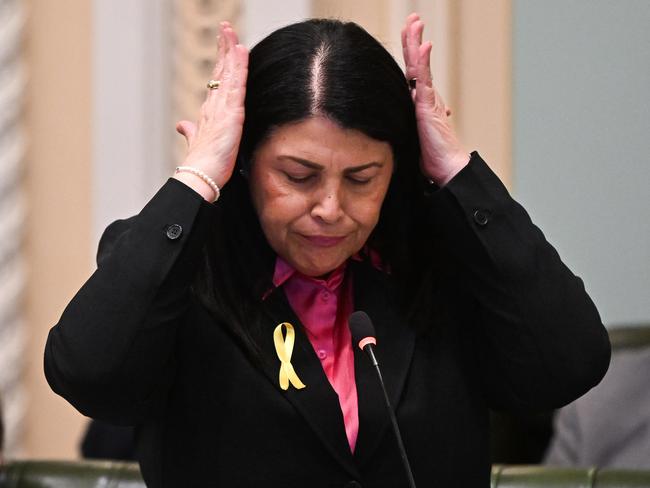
<point>323,241</point>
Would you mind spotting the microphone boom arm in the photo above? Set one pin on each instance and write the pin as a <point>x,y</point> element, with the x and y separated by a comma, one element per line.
<point>393,419</point>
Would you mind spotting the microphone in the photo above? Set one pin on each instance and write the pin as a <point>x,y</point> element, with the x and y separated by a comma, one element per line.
<point>363,334</point>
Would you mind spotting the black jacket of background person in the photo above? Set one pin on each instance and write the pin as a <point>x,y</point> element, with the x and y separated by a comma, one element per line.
<point>134,347</point>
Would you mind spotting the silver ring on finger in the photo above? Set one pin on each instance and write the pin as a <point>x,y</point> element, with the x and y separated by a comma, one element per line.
<point>412,83</point>
<point>213,84</point>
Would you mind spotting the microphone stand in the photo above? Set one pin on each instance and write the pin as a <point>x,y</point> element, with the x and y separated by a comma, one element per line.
<point>393,419</point>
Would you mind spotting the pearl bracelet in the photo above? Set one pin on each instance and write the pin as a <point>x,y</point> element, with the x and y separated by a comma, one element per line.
<point>203,176</point>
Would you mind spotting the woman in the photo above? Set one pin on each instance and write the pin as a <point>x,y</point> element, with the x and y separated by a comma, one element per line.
<point>337,188</point>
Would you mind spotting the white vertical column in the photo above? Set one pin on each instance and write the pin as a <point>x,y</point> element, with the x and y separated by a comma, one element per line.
<point>131,94</point>
<point>12,219</point>
<point>261,17</point>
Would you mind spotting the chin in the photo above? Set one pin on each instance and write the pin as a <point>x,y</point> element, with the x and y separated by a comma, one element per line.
<point>315,272</point>
<point>319,269</point>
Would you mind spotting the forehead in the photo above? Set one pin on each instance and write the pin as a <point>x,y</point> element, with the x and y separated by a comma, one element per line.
<point>324,142</point>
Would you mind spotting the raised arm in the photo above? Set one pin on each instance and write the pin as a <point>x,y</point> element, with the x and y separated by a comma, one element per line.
<point>539,341</point>
<point>112,353</point>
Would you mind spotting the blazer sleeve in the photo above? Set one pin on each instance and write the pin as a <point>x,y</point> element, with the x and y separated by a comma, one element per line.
<point>111,354</point>
<point>537,336</point>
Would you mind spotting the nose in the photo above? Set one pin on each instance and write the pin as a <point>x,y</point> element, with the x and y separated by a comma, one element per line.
<point>327,205</point>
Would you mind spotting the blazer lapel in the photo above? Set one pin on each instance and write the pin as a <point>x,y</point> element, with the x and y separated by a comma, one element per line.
<point>395,343</point>
<point>318,402</point>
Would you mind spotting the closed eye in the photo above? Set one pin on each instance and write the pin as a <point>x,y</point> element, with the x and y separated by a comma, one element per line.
<point>359,181</point>
<point>299,179</point>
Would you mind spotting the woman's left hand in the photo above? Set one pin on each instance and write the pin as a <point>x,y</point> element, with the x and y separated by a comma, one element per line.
<point>442,155</point>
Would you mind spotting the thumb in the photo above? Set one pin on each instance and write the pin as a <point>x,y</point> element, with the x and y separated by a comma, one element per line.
<point>187,129</point>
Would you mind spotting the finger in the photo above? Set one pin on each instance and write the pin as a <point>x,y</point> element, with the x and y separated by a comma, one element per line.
<point>416,28</point>
<point>237,94</point>
<point>224,46</point>
<point>413,41</point>
<point>187,129</point>
<point>424,64</point>
<point>412,17</point>
<point>225,68</point>
<point>234,35</point>
<point>229,60</point>
<point>218,66</point>
<point>418,33</point>
<point>230,35</point>
<point>217,71</point>
<point>425,92</point>
<point>405,54</point>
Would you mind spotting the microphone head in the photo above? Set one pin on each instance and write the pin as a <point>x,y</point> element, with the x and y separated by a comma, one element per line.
<point>361,328</point>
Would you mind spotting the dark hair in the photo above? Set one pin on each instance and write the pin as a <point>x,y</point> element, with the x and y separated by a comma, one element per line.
<point>315,68</point>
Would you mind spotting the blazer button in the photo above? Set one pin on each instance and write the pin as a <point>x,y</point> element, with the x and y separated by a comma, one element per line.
<point>353,484</point>
<point>481,217</point>
<point>174,231</point>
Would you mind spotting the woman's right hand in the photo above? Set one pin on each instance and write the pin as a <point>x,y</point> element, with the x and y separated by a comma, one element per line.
<point>213,141</point>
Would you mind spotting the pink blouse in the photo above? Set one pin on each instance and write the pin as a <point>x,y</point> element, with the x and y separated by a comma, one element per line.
<point>323,306</point>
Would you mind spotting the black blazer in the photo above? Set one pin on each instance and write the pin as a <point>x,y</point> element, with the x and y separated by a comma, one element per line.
<point>516,330</point>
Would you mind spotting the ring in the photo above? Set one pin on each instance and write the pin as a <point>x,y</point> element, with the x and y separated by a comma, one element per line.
<point>213,84</point>
<point>412,82</point>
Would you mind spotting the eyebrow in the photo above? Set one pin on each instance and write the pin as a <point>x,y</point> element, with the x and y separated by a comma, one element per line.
<point>312,165</point>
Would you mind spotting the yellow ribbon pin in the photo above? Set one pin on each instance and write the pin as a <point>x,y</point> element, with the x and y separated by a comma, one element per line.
<point>284,349</point>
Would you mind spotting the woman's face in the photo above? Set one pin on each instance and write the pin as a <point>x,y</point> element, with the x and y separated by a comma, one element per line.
<point>317,189</point>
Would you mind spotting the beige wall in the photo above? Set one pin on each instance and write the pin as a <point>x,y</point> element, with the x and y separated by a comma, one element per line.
<point>57,113</point>
<point>373,15</point>
<point>481,65</point>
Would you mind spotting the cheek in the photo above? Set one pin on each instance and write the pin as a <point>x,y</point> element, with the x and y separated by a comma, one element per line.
<point>278,211</point>
<point>366,211</point>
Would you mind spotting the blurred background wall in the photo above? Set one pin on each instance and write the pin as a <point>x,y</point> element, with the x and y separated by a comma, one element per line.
<point>58,185</point>
<point>13,278</point>
<point>581,140</point>
<point>106,81</point>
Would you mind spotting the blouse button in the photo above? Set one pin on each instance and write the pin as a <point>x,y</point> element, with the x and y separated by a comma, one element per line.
<point>325,296</point>
<point>322,354</point>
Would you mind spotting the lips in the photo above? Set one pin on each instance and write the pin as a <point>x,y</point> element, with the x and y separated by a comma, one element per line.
<point>324,241</point>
